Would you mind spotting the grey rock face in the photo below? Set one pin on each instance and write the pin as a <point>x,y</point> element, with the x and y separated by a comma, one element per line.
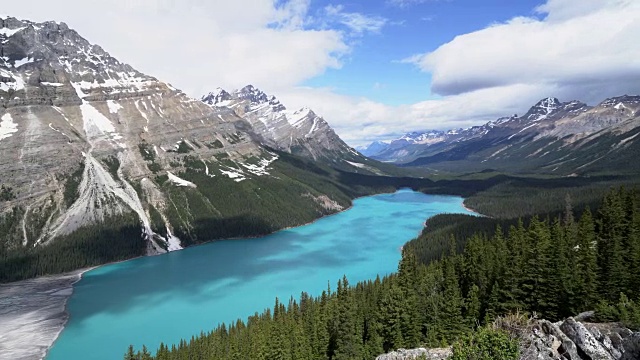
<point>300,132</point>
<point>420,353</point>
<point>631,346</point>
<point>585,340</point>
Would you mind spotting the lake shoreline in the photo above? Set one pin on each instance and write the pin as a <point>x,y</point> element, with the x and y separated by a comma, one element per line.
<point>33,314</point>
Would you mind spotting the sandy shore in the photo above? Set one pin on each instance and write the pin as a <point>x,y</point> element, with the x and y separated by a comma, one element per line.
<point>33,313</point>
<point>470,209</point>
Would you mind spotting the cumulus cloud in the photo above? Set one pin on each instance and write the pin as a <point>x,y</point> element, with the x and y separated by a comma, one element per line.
<point>407,3</point>
<point>358,23</point>
<point>200,45</point>
<point>580,45</point>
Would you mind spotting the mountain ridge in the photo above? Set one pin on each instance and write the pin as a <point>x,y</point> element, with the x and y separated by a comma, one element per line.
<point>551,124</point>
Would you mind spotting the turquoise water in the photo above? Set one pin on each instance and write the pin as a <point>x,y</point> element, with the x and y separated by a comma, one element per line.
<point>169,297</point>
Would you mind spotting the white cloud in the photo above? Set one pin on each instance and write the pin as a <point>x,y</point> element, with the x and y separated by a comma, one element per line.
<point>199,45</point>
<point>357,22</point>
<point>579,45</point>
<point>586,51</point>
<point>359,120</point>
<point>407,3</point>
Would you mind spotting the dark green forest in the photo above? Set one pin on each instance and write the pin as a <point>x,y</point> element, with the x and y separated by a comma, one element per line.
<point>553,266</point>
<point>117,238</point>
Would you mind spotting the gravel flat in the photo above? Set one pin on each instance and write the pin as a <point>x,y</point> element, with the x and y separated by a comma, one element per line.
<point>32,314</point>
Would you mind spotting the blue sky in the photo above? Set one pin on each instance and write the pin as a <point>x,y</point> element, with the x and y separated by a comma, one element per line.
<point>374,69</point>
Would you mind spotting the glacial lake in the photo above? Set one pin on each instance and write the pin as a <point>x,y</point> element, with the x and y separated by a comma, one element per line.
<point>165,298</point>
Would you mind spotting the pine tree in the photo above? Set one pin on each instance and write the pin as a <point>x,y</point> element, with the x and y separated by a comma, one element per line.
<point>586,263</point>
<point>409,312</point>
<point>560,273</point>
<point>631,242</point>
<point>536,266</point>
<point>452,311</point>
<point>145,355</point>
<point>348,345</point>
<point>390,315</point>
<point>612,226</point>
<point>130,354</point>
<point>472,307</point>
<point>494,307</point>
<point>512,292</point>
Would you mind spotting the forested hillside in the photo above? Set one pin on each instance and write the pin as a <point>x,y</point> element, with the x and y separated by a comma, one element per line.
<point>553,266</point>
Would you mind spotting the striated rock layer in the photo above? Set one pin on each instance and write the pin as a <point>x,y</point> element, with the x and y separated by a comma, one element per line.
<point>85,138</point>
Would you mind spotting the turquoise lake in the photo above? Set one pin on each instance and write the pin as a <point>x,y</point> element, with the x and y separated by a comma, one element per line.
<point>177,295</point>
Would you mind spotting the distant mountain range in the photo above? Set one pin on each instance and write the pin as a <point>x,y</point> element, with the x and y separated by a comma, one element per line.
<point>553,137</point>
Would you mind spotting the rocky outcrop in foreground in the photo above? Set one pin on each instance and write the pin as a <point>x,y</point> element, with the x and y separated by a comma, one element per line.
<point>419,353</point>
<point>574,340</point>
<point>565,340</point>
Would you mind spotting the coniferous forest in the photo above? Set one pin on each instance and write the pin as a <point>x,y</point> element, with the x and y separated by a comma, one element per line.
<point>554,267</point>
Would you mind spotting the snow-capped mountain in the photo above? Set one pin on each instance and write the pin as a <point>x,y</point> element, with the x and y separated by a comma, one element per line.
<point>300,132</point>
<point>540,139</point>
<point>87,140</point>
<point>372,149</point>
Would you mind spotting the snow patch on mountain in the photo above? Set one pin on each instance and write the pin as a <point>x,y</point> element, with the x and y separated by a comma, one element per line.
<point>10,32</point>
<point>234,174</point>
<point>23,61</point>
<point>10,81</point>
<point>7,126</point>
<point>261,168</point>
<point>179,181</point>
<point>113,106</point>
<point>358,165</point>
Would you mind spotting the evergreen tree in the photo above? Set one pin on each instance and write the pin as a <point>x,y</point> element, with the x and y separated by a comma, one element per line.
<point>472,307</point>
<point>409,312</point>
<point>611,255</point>
<point>452,311</point>
<point>347,342</point>
<point>391,318</point>
<point>130,354</point>
<point>586,263</point>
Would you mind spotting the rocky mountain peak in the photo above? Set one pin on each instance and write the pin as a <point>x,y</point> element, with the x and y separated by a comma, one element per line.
<point>542,109</point>
<point>46,63</point>
<point>620,102</point>
<point>218,97</point>
<point>252,94</point>
<point>302,131</point>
